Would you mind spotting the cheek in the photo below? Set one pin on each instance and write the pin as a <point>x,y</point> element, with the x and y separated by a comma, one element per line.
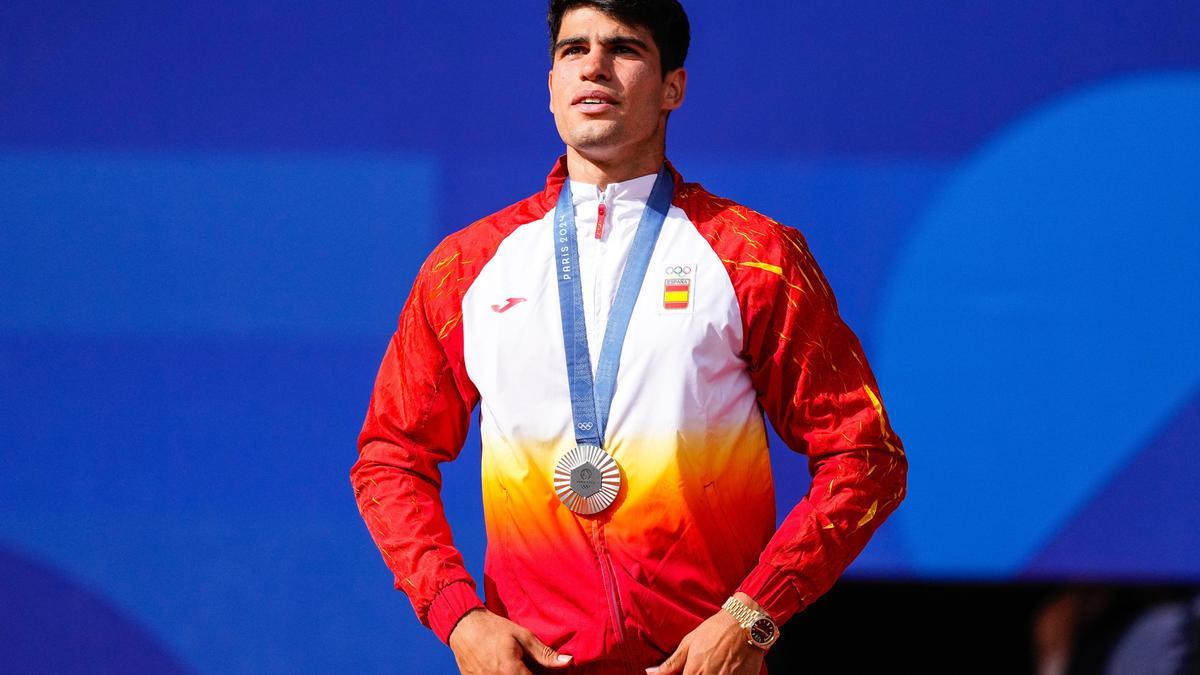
<point>556,86</point>
<point>646,91</point>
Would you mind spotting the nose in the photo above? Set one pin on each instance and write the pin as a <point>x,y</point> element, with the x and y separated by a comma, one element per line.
<point>596,65</point>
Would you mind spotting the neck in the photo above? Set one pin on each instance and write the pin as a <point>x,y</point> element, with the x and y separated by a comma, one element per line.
<point>600,171</point>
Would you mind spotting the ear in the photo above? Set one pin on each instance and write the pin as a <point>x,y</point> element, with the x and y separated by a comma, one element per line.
<point>550,85</point>
<point>674,89</point>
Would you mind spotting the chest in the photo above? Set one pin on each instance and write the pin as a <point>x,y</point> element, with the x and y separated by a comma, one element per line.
<point>685,322</point>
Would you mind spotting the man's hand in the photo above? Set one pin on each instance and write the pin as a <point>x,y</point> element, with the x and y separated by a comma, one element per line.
<point>717,647</point>
<point>485,643</point>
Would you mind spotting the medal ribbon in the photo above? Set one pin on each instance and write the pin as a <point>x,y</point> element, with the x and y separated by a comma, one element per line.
<point>591,400</point>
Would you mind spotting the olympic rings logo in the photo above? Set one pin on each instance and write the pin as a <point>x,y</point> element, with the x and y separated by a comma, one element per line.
<point>679,269</point>
<point>586,426</point>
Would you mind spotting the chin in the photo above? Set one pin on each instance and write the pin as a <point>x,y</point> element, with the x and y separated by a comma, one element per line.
<point>595,136</point>
<point>597,144</point>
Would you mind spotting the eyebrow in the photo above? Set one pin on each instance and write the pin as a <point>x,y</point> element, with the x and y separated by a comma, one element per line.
<point>607,41</point>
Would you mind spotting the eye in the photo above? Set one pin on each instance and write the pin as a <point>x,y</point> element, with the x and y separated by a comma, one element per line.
<point>572,50</point>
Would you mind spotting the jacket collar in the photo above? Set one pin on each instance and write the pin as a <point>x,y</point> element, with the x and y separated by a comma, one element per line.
<point>558,176</point>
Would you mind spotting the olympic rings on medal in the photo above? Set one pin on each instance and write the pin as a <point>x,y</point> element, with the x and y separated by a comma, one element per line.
<point>679,269</point>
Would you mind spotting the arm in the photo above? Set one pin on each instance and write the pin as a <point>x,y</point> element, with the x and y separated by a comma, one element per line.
<point>418,417</point>
<point>815,386</point>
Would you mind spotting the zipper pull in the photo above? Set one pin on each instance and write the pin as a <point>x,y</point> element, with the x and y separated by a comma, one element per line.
<point>600,216</point>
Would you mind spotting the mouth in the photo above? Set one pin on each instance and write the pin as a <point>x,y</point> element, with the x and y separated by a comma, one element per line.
<point>594,101</point>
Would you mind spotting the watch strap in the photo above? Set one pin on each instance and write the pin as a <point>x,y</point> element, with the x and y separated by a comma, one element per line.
<point>745,614</point>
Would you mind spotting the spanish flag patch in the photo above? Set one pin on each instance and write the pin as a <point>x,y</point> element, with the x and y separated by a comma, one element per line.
<point>677,293</point>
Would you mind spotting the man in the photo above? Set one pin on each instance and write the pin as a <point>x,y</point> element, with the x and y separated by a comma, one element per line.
<point>623,332</point>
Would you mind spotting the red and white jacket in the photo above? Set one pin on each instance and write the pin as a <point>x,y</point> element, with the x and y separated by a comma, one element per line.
<point>734,320</point>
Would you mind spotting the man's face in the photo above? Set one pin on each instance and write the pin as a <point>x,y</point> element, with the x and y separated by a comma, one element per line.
<point>607,91</point>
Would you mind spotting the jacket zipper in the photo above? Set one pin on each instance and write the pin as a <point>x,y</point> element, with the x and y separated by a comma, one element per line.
<point>610,582</point>
<point>595,327</point>
<point>600,216</point>
<point>607,574</point>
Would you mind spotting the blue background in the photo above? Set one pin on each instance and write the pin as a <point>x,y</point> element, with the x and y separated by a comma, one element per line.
<point>211,214</point>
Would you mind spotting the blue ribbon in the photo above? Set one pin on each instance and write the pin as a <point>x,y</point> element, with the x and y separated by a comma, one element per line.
<point>590,401</point>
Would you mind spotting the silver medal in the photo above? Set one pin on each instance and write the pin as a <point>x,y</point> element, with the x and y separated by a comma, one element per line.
<point>587,479</point>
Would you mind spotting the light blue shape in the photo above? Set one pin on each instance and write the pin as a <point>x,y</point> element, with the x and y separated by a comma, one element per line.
<point>211,244</point>
<point>1044,320</point>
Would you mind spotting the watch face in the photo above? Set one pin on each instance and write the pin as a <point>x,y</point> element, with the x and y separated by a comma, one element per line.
<point>763,631</point>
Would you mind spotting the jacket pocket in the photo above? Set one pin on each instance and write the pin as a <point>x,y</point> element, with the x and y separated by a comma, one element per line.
<point>722,523</point>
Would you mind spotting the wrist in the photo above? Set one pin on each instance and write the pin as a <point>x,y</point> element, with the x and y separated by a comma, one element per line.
<point>449,607</point>
<point>749,601</point>
<point>463,626</point>
<point>757,627</point>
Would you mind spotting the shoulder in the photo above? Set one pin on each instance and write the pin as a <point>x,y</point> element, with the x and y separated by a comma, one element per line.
<point>762,256</point>
<point>454,264</point>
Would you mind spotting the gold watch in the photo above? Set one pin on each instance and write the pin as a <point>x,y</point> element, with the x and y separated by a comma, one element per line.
<point>761,630</point>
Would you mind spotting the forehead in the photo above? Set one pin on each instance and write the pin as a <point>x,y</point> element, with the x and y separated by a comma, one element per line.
<point>589,22</point>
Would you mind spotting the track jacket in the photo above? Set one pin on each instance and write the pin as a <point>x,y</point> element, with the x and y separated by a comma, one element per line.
<point>734,320</point>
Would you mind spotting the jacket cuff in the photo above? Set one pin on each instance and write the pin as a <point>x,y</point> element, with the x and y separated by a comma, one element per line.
<point>449,606</point>
<point>773,591</point>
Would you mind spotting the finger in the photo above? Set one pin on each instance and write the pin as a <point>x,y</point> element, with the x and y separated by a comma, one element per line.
<point>541,652</point>
<point>673,664</point>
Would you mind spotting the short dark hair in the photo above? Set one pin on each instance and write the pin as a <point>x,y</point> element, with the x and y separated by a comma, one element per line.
<point>665,19</point>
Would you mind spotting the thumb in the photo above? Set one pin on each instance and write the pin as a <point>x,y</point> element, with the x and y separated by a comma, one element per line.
<point>674,662</point>
<point>540,652</point>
